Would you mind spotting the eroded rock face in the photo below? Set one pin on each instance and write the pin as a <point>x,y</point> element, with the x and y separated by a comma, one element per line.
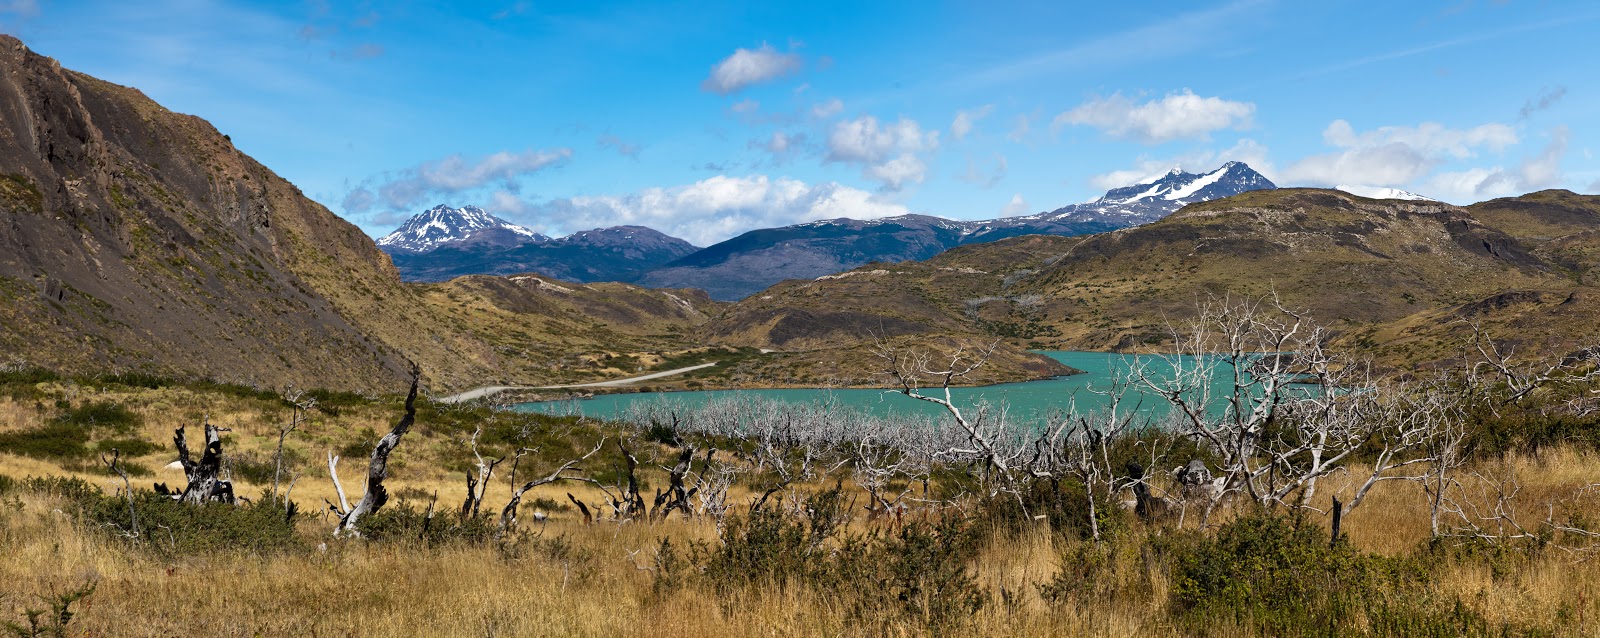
<point>138,238</point>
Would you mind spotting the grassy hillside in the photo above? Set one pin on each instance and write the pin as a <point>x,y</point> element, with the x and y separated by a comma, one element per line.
<point>1396,278</point>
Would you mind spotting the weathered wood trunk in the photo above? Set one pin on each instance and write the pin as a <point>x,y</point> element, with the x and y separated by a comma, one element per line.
<point>205,483</point>
<point>378,469</point>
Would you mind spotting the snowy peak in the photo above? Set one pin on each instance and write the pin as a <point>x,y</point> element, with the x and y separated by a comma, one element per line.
<point>1155,198</point>
<point>1230,179</point>
<point>1382,192</point>
<point>443,225</point>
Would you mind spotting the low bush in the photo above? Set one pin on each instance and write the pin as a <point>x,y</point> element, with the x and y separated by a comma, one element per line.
<point>52,441</point>
<point>918,573</point>
<point>1278,575</point>
<point>101,415</point>
<point>170,527</point>
<point>403,522</point>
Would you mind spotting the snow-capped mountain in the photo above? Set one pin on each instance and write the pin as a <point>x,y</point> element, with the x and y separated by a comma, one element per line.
<point>443,225</point>
<point>442,243</point>
<point>755,260</point>
<point>1382,192</point>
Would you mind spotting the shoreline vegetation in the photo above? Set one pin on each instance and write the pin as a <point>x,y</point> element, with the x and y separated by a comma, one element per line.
<point>1459,505</point>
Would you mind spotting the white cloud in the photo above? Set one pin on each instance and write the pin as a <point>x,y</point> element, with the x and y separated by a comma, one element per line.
<point>746,67</point>
<point>1176,116</point>
<point>965,119</point>
<point>827,109</point>
<point>1427,138</point>
<point>1544,170</point>
<point>1394,155</point>
<point>888,152</point>
<point>454,174</point>
<point>896,173</point>
<point>707,211</point>
<point>865,140</point>
<point>745,106</point>
<point>1540,171</point>
<point>1017,206</point>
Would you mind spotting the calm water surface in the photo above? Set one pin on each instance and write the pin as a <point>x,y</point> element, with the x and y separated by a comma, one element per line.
<point>1031,400</point>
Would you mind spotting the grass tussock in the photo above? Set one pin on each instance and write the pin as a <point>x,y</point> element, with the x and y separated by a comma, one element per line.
<point>811,562</point>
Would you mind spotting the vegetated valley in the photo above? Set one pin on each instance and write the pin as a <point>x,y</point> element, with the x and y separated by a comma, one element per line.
<point>223,413</point>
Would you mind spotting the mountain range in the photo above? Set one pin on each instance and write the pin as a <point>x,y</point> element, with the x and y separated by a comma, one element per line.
<point>444,242</point>
<point>136,239</point>
<point>1400,280</point>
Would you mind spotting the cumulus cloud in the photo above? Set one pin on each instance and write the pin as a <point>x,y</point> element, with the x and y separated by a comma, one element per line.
<point>1539,171</point>
<point>888,152</point>
<point>1177,116</point>
<point>749,66</point>
<point>409,187</point>
<point>1546,98</point>
<point>1394,155</point>
<point>896,173</point>
<point>965,119</point>
<point>707,211</point>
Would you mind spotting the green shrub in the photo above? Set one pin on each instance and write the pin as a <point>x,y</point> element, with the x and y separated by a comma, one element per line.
<point>171,527</point>
<point>52,441</point>
<point>96,415</point>
<point>72,489</point>
<point>27,376</point>
<point>129,446</point>
<point>918,573</point>
<point>1278,575</point>
<point>8,484</point>
<point>403,522</point>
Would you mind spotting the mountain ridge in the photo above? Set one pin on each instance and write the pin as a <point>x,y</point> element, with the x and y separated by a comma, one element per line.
<point>745,264</point>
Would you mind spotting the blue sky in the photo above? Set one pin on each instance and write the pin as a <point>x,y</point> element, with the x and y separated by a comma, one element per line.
<point>707,119</point>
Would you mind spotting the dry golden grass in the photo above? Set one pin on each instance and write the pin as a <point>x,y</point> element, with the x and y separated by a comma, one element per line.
<point>597,586</point>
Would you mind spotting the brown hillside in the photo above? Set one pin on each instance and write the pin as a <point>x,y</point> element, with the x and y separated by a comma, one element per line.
<point>135,238</point>
<point>1396,277</point>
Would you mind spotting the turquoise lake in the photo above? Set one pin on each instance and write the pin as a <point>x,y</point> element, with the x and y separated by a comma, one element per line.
<point>1029,401</point>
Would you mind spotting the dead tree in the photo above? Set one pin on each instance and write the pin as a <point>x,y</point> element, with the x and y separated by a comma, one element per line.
<point>204,481</point>
<point>1499,365</point>
<point>676,497</point>
<point>992,441</point>
<point>302,404</point>
<point>377,470</point>
<point>115,466</point>
<point>508,515</point>
<point>1255,383</point>
<point>478,485</point>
